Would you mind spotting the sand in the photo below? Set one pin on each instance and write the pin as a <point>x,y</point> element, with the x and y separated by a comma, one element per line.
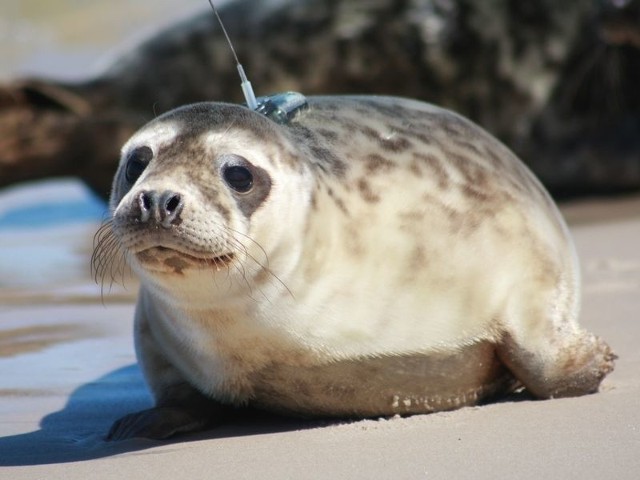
<point>67,370</point>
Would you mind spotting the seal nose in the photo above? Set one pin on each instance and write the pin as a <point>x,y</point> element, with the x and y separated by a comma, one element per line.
<point>163,208</point>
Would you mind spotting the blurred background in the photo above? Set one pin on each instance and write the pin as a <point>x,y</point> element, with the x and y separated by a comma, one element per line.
<point>46,228</point>
<point>556,81</point>
<point>70,39</point>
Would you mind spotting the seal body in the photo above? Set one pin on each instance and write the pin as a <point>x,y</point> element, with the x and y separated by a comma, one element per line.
<point>374,256</point>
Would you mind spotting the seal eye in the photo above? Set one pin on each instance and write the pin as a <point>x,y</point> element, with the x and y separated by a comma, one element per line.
<point>136,163</point>
<point>238,177</point>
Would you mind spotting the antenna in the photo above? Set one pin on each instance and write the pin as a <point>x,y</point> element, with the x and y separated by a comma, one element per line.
<point>247,89</point>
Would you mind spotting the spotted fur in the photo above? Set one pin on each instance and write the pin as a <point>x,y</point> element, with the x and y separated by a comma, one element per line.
<point>391,257</point>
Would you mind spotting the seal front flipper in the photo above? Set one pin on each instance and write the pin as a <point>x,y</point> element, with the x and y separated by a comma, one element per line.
<point>163,422</point>
<point>179,406</point>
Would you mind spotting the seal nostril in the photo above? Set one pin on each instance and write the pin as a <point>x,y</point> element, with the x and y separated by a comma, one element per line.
<point>145,204</point>
<point>171,208</point>
<point>145,201</point>
<point>173,203</point>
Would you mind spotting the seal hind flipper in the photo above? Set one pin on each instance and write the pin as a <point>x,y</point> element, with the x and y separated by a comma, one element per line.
<point>564,367</point>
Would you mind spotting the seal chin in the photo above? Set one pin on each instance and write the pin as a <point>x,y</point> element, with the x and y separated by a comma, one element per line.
<point>170,260</point>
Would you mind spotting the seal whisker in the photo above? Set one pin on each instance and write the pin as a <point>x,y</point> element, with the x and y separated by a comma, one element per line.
<point>106,247</point>
<point>226,132</point>
<point>108,265</point>
<point>250,287</point>
<point>208,266</point>
<point>264,252</point>
<point>121,268</point>
<point>264,267</point>
<point>239,266</point>
<point>101,240</point>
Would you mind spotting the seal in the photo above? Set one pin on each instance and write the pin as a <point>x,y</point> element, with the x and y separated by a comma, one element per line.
<point>373,256</point>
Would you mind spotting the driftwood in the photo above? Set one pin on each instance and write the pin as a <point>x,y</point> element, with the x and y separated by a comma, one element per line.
<point>557,81</point>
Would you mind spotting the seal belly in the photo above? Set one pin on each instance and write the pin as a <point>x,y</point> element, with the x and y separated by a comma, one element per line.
<point>384,385</point>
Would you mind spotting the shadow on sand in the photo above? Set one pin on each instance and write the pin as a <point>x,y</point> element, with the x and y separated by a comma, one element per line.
<point>76,433</point>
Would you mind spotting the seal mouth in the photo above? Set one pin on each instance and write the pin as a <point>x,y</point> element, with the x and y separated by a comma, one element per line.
<point>159,257</point>
<point>226,258</point>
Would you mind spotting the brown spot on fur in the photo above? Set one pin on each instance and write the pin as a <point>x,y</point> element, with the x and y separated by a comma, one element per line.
<point>330,135</point>
<point>367,192</point>
<point>452,131</point>
<point>369,132</point>
<point>419,255</point>
<point>415,168</point>
<point>490,153</point>
<point>178,264</point>
<point>377,163</point>
<point>320,155</point>
<point>457,127</point>
<point>454,216</point>
<point>313,200</point>
<point>476,176</point>
<point>395,143</point>
<point>184,147</point>
<point>327,158</point>
<point>459,160</point>
<point>417,260</point>
<point>476,194</point>
<point>337,200</point>
<point>341,205</point>
<point>146,256</point>
<point>420,131</point>
<point>470,147</point>
<point>435,166</point>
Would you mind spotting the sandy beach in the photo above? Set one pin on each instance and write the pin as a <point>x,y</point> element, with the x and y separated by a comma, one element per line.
<point>67,370</point>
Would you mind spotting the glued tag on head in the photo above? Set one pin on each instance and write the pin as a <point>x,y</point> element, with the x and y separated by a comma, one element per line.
<point>280,107</point>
